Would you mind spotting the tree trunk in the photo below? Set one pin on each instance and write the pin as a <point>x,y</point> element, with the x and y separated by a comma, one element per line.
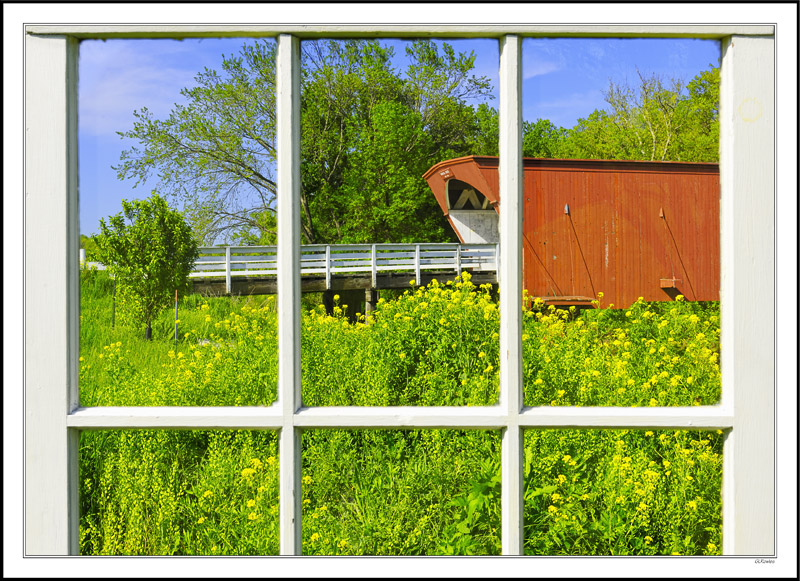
<point>148,332</point>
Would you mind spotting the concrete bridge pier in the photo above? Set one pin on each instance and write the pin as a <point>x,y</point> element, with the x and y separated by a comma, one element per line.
<point>371,297</point>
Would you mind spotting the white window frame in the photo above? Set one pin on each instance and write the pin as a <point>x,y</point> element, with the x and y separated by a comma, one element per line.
<point>53,420</point>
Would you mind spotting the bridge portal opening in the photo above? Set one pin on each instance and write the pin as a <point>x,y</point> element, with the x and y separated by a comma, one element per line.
<point>471,213</point>
<point>463,196</point>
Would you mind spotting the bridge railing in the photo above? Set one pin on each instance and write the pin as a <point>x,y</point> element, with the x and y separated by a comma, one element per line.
<point>331,259</point>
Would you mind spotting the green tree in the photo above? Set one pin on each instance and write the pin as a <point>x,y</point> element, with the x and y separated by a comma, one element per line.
<point>540,138</point>
<point>382,194</point>
<point>486,136</point>
<point>371,134</point>
<point>595,137</point>
<point>150,250</point>
<point>655,120</point>
<point>699,141</point>
<point>216,153</point>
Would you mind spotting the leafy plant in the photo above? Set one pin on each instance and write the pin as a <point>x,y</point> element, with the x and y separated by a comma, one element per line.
<point>150,251</point>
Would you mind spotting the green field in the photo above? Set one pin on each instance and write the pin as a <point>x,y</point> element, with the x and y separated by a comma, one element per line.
<point>400,492</point>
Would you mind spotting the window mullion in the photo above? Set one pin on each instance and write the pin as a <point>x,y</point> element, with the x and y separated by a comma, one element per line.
<point>747,214</point>
<point>51,295</point>
<point>510,278</point>
<point>289,394</point>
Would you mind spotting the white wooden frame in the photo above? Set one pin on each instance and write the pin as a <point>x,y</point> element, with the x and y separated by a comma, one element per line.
<point>53,420</point>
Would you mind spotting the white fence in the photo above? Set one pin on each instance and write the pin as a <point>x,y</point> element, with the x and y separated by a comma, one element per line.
<point>330,259</point>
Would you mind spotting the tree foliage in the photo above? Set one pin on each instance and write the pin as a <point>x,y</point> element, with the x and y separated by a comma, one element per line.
<point>540,138</point>
<point>369,132</point>
<point>216,152</point>
<point>150,250</point>
<point>653,120</point>
<point>656,120</point>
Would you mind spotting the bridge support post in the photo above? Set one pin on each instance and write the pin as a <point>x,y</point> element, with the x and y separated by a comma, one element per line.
<point>370,300</point>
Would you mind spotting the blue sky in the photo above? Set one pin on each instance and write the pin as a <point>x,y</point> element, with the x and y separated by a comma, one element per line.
<point>563,81</point>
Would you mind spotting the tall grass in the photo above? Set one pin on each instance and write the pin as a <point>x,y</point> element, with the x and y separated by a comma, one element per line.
<point>401,491</point>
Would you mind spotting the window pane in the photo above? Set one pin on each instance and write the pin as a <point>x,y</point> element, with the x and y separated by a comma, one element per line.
<point>621,221</point>
<point>179,493</point>
<point>415,492</point>
<point>389,223</point>
<point>229,357</point>
<point>196,128</point>
<point>650,354</point>
<point>623,492</point>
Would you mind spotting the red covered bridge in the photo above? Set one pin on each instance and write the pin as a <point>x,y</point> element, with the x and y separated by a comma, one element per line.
<point>623,228</point>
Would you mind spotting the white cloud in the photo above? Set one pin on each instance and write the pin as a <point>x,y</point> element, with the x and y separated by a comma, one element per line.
<point>118,77</point>
<point>541,56</point>
<point>535,68</point>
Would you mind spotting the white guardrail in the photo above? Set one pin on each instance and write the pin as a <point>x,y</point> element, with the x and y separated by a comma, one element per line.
<point>330,259</point>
